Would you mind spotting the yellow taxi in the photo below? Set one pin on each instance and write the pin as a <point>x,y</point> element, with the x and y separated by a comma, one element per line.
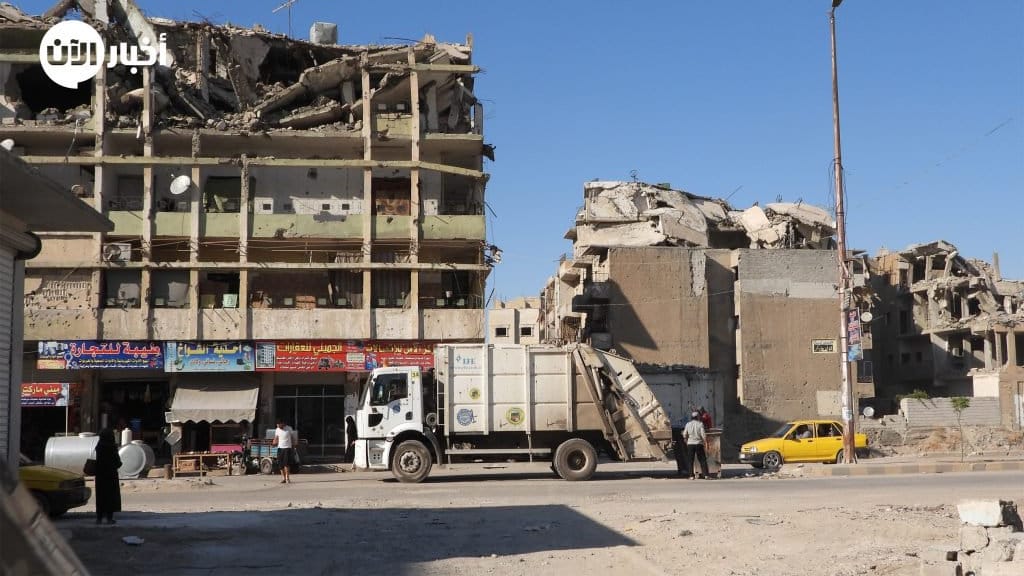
<point>800,441</point>
<point>55,490</point>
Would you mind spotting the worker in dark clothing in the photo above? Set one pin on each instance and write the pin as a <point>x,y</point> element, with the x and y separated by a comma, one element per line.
<point>705,418</point>
<point>683,465</point>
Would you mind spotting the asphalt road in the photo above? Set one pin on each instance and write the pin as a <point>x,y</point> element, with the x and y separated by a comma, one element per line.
<point>520,519</point>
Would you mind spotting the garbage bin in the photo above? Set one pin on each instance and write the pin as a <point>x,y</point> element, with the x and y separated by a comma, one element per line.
<point>713,448</point>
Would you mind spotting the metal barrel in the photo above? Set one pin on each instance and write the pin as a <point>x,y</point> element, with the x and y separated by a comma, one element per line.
<point>70,452</point>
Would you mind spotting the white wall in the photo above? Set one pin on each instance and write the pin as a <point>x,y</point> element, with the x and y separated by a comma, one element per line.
<point>307,195</point>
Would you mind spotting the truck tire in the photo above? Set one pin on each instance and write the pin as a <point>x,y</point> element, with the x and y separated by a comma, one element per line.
<point>575,460</point>
<point>411,462</point>
<point>267,465</point>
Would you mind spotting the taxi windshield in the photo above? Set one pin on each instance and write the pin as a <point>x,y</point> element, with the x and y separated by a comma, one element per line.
<point>781,432</point>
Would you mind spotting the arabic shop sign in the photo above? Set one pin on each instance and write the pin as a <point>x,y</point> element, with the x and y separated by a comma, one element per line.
<point>45,394</point>
<point>84,354</point>
<point>209,356</point>
<point>342,355</point>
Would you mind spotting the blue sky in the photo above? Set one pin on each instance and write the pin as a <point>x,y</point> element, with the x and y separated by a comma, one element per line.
<point>725,95</point>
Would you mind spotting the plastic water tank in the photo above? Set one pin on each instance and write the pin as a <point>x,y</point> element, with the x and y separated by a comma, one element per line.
<point>133,461</point>
<point>150,455</point>
<point>70,452</point>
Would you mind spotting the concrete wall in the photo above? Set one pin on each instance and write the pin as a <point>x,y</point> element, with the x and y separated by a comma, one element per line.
<point>785,300</point>
<point>307,194</point>
<point>658,311</point>
<point>939,412</point>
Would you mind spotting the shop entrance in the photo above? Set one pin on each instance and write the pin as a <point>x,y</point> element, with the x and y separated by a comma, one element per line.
<point>136,405</point>
<point>317,411</point>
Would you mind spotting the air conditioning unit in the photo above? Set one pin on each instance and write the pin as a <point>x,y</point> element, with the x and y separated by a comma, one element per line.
<point>117,252</point>
<point>265,206</point>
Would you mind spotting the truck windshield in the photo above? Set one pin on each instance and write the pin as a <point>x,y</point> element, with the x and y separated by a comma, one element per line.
<point>781,432</point>
<point>389,387</point>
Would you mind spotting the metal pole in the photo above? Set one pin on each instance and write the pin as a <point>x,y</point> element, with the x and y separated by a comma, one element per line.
<point>849,452</point>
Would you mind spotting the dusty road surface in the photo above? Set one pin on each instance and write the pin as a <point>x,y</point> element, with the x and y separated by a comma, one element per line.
<point>520,520</point>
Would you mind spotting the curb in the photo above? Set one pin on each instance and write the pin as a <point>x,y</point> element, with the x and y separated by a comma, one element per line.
<point>922,468</point>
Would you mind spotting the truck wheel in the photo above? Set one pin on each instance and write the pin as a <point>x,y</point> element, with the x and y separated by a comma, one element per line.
<point>411,462</point>
<point>266,466</point>
<point>575,460</point>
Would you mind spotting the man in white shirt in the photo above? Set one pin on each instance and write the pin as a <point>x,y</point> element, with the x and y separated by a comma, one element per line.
<point>284,439</point>
<point>694,436</point>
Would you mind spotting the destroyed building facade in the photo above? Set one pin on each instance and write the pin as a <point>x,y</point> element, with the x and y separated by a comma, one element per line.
<point>264,191</point>
<point>947,325</point>
<point>735,310</point>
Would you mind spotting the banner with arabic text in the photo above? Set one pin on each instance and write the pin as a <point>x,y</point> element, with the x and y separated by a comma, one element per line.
<point>342,355</point>
<point>84,354</point>
<point>209,356</point>
<point>45,394</point>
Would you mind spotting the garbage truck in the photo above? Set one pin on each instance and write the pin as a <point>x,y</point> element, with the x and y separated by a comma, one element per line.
<point>563,404</point>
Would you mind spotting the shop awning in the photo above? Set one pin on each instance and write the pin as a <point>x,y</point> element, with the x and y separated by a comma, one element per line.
<point>214,402</point>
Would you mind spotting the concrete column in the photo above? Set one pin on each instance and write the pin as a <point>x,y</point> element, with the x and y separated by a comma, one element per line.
<point>1011,348</point>
<point>415,223</point>
<point>989,360</point>
<point>100,178</point>
<point>244,212</point>
<point>368,216</point>
<point>1000,354</point>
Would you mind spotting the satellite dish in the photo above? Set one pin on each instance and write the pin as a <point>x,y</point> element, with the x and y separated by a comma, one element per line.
<point>868,412</point>
<point>866,317</point>
<point>7,144</point>
<point>180,185</point>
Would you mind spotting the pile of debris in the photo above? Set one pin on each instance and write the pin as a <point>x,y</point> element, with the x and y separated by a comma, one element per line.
<point>991,543</point>
<point>640,214</point>
<point>231,78</point>
<point>938,270</point>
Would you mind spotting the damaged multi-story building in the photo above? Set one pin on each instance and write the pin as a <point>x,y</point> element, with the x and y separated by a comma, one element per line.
<point>948,326</point>
<point>265,191</point>
<point>735,310</point>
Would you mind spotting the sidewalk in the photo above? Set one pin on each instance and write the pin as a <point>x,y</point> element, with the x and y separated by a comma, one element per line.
<point>931,464</point>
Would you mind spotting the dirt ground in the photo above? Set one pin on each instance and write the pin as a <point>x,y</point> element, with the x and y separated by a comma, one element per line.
<point>519,519</point>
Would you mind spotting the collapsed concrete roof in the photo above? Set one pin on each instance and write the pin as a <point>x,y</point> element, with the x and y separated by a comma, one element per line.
<point>999,302</point>
<point>640,214</point>
<point>227,77</point>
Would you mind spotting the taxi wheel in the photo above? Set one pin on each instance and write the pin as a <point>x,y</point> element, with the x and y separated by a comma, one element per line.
<point>772,460</point>
<point>839,457</point>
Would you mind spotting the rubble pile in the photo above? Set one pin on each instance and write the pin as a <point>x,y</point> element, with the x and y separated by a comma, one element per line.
<point>991,543</point>
<point>228,78</point>
<point>641,214</point>
<point>970,294</point>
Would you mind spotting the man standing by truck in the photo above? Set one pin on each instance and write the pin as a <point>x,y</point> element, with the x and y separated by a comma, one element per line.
<point>284,439</point>
<point>694,436</point>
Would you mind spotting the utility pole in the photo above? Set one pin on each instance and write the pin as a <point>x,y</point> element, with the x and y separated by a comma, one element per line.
<point>849,451</point>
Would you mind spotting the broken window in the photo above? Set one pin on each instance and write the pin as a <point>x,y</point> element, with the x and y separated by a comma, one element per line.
<point>973,306</point>
<point>1018,344</point>
<point>218,290</point>
<point>904,321</point>
<point>302,290</point>
<point>526,331</point>
<point>121,288</point>
<point>347,289</point>
<point>47,100</point>
<point>223,194</point>
<point>390,288</point>
<point>919,271</point>
<point>128,195</point>
<point>448,289</point>
<point>169,288</point>
<point>904,278</point>
<point>391,196</point>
